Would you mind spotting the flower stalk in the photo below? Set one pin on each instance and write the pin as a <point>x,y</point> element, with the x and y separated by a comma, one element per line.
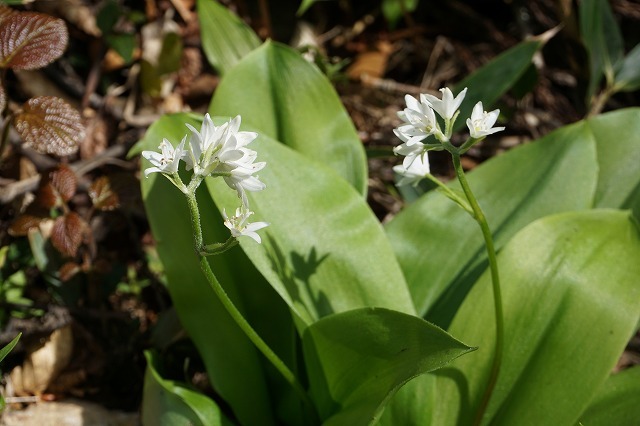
<point>419,125</point>
<point>221,151</point>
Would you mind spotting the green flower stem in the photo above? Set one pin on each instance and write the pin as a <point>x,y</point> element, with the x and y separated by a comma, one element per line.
<point>452,195</point>
<point>235,313</point>
<point>495,280</point>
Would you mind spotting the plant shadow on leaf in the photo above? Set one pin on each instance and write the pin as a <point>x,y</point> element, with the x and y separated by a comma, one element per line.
<point>296,273</point>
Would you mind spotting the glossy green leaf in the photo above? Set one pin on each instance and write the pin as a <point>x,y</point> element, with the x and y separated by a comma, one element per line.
<point>324,251</point>
<point>491,81</point>
<point>226,39</point>
<point>628,75</point>
<point>616,137</point>
<point>603,40</point>
<point>232,362</point>
<point>571,302</point>
<point>617,401</point>
<point>168,403</point>
<point>288,99</point>
<point>440,247</point>
<point>357,360</point>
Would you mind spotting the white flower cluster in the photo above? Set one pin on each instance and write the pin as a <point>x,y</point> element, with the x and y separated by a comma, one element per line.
<point>215,151</point>
<point>420,122</point>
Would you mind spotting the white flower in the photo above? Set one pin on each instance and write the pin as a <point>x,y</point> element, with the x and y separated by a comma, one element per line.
<point>167,160</point>
<point>448,105</point>
<point>419,118</point>
<point>238,226</point>
<point>414,172</point>
<point>222,150</point>
<point>213,145</point>
<point>481,122</point>
<point>410,148</point>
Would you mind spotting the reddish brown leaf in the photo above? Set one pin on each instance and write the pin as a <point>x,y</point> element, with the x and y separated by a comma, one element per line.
<point>66,234</point>
<point>50,125</point>
<point>64,181</point>
<point>68,270</point>
<point>3,99</point>
<point>31,40</point>
<point>57,185</point>
<point>102,195</point>
<point>5,11</point>
<point>20,227</point>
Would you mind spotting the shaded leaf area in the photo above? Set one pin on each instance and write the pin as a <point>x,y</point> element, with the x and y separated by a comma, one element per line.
<point>50,125</point>
<point>569,295</point>
<point>57,187</point>
<point>617,401</point>
<point>286,98</point>
<point>31,40</point>
<point>358,359</point>
<point>561,172</point>
<point>169,403</point>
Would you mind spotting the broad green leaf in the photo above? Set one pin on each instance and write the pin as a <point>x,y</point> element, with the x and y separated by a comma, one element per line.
<point>571,302</point>
<point>168,403</point>
<point>617,401</point>
<point>603,40</point>
<point>357,360</point>
<point>324,251</point>
<point>616,137</point>
<point>225,38</point>
<point>232,362</point>
<point>288,99</point>
<point>440,247</point>
<point>393,10</point>
<point>628,75</point>
<point>491,81</point>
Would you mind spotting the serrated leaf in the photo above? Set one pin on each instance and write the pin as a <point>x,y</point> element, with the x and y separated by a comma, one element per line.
<point>5,12</point>
<point>58,185</point>
<point>21,225</point>
<point>50,125</point>
<point>66,234</point>
<point>102,195</point>
<point>31,40</point>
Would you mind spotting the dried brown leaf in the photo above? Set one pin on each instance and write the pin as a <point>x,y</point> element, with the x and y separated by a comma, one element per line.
<point>50,125</point>
<point>102,195</point>
<point>67,232</point>
<point>21,225</point>
<point>31,40</point>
